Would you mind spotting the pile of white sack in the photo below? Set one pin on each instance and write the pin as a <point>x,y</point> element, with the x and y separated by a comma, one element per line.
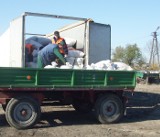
<point>75,58</point>
<point>38,43</point>
<point>101,65</point>
<point>109,65</point>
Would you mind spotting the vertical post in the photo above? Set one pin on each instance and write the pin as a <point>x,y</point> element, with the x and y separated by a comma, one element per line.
<point>154,51</point>
<point>151,56</point>
<point>23,43</point>
<point>157,51</point>
<point>86,42</point>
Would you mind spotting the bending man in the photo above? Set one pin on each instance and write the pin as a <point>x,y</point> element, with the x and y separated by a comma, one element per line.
<point>50,53</point>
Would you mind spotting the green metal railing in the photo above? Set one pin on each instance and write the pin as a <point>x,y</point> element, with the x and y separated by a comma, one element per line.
<point>69,78</point>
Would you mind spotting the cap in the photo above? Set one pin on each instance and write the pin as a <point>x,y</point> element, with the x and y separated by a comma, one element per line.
<point>56,33</point>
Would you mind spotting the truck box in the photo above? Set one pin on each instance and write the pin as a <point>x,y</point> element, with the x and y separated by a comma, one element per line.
<point>93,38</point>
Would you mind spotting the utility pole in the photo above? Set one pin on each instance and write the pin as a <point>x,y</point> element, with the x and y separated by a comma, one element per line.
<point>154,50</point>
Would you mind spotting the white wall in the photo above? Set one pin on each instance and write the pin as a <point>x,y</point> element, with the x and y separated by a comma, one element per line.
<point>5,48</point>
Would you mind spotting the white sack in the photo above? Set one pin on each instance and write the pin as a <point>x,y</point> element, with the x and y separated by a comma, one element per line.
<point>122,66</point>
<point>103,65</point>
<point>35,44</point>
<point>75,61</point>
<point>35,59</point>
<point>38,42</point>
<point>35,53</point>
<point>44,41</point>
<point>88,67</point>
<point>71,60</point>
<point>49,67</point>
<point>70,42</point>
<point>76,67</point>
<point>67,66</point>
<point>75,53</point>
<point>79,62</point>
<point>54,64</point>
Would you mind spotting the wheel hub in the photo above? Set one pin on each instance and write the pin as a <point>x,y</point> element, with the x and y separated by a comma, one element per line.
<point>24,112</point>
<point>109,108</point>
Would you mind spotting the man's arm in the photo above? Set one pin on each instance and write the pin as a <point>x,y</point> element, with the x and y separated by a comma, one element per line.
<point>59,55</point>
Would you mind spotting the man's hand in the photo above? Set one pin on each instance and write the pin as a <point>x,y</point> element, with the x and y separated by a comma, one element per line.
<point>65,55</point>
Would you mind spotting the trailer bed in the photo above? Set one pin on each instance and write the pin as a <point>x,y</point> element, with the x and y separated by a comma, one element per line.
<point>71,79</point>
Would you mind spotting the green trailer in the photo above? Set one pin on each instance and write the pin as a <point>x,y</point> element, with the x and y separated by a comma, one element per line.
<point>24,90</point>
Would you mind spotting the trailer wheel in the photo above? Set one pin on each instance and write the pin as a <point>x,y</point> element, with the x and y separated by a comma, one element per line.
<point>23,112</point>
<point>109,109</point>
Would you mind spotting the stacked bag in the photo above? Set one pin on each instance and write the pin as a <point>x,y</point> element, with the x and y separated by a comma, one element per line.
<point>75,58</point>
<point>33,45</point>
<point>101,65</point>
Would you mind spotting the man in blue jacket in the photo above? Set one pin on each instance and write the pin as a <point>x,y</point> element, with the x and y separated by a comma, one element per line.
<point>50,53</point>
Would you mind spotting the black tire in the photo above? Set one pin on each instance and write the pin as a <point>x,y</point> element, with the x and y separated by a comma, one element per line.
<point>23,112</point>
<point>109,109</point>
<point>82,107</point>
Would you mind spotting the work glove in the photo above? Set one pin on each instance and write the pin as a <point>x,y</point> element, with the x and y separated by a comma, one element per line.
<point>65,55</point>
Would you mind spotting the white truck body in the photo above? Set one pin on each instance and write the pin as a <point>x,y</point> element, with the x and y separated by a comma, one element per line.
<point>93,38</point>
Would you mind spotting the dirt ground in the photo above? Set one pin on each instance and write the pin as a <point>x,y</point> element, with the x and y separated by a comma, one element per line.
<point>142,119</point>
